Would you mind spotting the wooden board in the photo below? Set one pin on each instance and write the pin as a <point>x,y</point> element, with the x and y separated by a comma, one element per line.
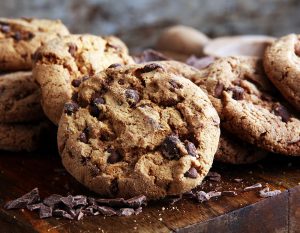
<point>247,212</point>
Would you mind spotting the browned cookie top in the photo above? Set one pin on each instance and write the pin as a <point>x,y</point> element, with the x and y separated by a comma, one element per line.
<point>139,129</point>
<point>249,106</point>
<point>19,39</point>
<point>61,65</point>
<point>282,65</point>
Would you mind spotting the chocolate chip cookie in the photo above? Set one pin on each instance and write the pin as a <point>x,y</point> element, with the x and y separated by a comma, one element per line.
<point>62,64</point>
<point>139,129</point>
<point>19,98</point>
<point>282,62</point>
<point>19,39</point>
<point>22,137</point>
<point>249,106</point>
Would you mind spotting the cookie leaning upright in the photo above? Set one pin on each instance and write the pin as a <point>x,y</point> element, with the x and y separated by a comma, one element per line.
<point>139,129</point>
<point>19,39</point>
<point>61,64</point>
<point>282,65</point>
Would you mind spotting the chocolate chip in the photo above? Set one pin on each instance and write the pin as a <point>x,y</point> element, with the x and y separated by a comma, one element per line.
<point>52,200</point>
<point>136,202</point>
<point>132,97</point>
<point>267,193</point>
<point>114,65</point>
<point>238,93</point>
<point>98,100</point>
<point>4,28</point>
<point>105,210</point>
<point>114,156</point>
<point>74,97</point>
<point>45,211</point>
<point>121,81</point>
<point>114,186</point>
<point>281,111</point>
<point>125,212</point>
<point>191,149</point>
<point>72,48</point>
<point>21,202</point>
<point>253,187</point>
<point>76,82</point>
<point>33,207</point>
<point>62,213</point>
<point>169,147</point>
<point>94,111</point>
<point>147,68</point>
<point>84,135</point>
<point>191,173</point>
<point>71,108</point>
<point>85,77</point>
<point>218,90</point>
<point>175,85</point>
<point>17,36</point>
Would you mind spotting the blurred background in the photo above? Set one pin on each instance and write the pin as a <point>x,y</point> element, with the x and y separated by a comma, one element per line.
<point>138,22</point>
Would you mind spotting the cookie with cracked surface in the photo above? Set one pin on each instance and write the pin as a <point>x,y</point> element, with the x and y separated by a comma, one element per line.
<point>23,137</point>
<point>62,64</point>
<point>139,129</point>
<point>19,39</point>
<point>234,151</point>
<point>282,65</point>
<point>249,106</point>
<point>19,98</point>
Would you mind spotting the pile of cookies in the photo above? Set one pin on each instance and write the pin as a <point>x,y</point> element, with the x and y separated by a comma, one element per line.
<point>149,124</point>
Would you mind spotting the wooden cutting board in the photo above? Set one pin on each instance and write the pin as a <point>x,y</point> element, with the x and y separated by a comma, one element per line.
<point>247,212</point>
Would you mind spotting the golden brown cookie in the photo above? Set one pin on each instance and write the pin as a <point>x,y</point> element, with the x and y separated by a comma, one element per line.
<point>19,98</point>
<point>282,65</point>
<point>19,39</point>
<point>61,65</point>
<point>139,129</point>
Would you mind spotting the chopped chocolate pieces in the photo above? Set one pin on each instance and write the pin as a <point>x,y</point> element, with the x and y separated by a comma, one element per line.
<point>62,214</point>
<point>191,173</point>
<point>229,193</point>
<point>71,108</point>
<point>191,149</point>
<point>148,68</point>
<point>214,194</point>
<point>114,65</point>
<point>52,200</point>
<point>45,211</point>
<point>218,90</point>
<point>84,135</point>
<point>125,212</point>
<point>72,48</point>
<point>169,147</point>
<point>267,193</point>
<point>98,100</point>
<point>136,202</point>
<point>150,55</point>
<point>132,97</point>
<point>172,199</point>
<point>114,157</point>
<point>76,82</point>
<point>33,207</point>
<point>238,93</point>
<point>105,210</point>
<point>29,198</point>
<point>253,187</point>
<point>175,85</point>
<point>202,196</point>
<point>214,176</point>
<point>281,111</point>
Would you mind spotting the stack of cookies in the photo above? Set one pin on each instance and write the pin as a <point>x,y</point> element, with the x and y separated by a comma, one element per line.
<point>22,120</point>
<point>149,125</point>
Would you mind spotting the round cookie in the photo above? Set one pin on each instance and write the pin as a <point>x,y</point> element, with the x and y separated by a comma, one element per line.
<point>282,65</point>
<point>22,137</point>
<point>139,129</point>
<point>19,39</point>
<point>60,66</point>
<point>19,98</point>
<point>234,151</point>
<point>249,106</point>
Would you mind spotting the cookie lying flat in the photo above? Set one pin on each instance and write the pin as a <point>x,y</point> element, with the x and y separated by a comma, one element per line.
<point>22,137</point>
<point>282,65</point>
<point>249,105</point>
<point>19,98</point>
<point>62,64</point>
<point>19,39</point>
<point>234,151</point>
<point>139,129</point>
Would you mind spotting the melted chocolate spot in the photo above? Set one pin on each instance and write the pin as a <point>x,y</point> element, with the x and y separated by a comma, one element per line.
<point>132,97</point>
<point>169,147</point>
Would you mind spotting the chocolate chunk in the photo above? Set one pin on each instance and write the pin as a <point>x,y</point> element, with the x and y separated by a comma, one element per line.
<point>114,157</point>
<point>169,147</point>
<point>68,201</point>
<point>171,200</point>
<point>191,149</point>
<point>18,35</point>
<point>5,28</point>
<point>71,108</point>
<point>281,111</point>
<point>125,212</point>
<point>253,187</point>
<point>267,193</point>
<point>80,216</point>
<point>85,77</point>
<point>132,97</point>
<point>31,197</point>
<point>45,211</point>
<point>62,214</point>
<point>76,82</point>
<point>200,63</point>
<point>94,111</point>
<point>84,136</point>
<point>191,173</point>
<point>150,55</point>
<point>175,85</point>
<point>229,193</point>
<point>33,207</point>
<point>80,200</point>
<point>218,90</point>
<point>202,196</point>
<point>214,176</point>
<point>52,200</point>
<point>136,202</point>
<point>72,48</point>
<point>147,68</point>
<point>238,93</point>
<point>112,202</point>
<point>105,210</point>
<point>114,186</point>
<point>114,65</point>
<point>98,100</point>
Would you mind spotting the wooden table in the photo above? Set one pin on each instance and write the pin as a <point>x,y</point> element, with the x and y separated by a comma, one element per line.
<point>247,212</point>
